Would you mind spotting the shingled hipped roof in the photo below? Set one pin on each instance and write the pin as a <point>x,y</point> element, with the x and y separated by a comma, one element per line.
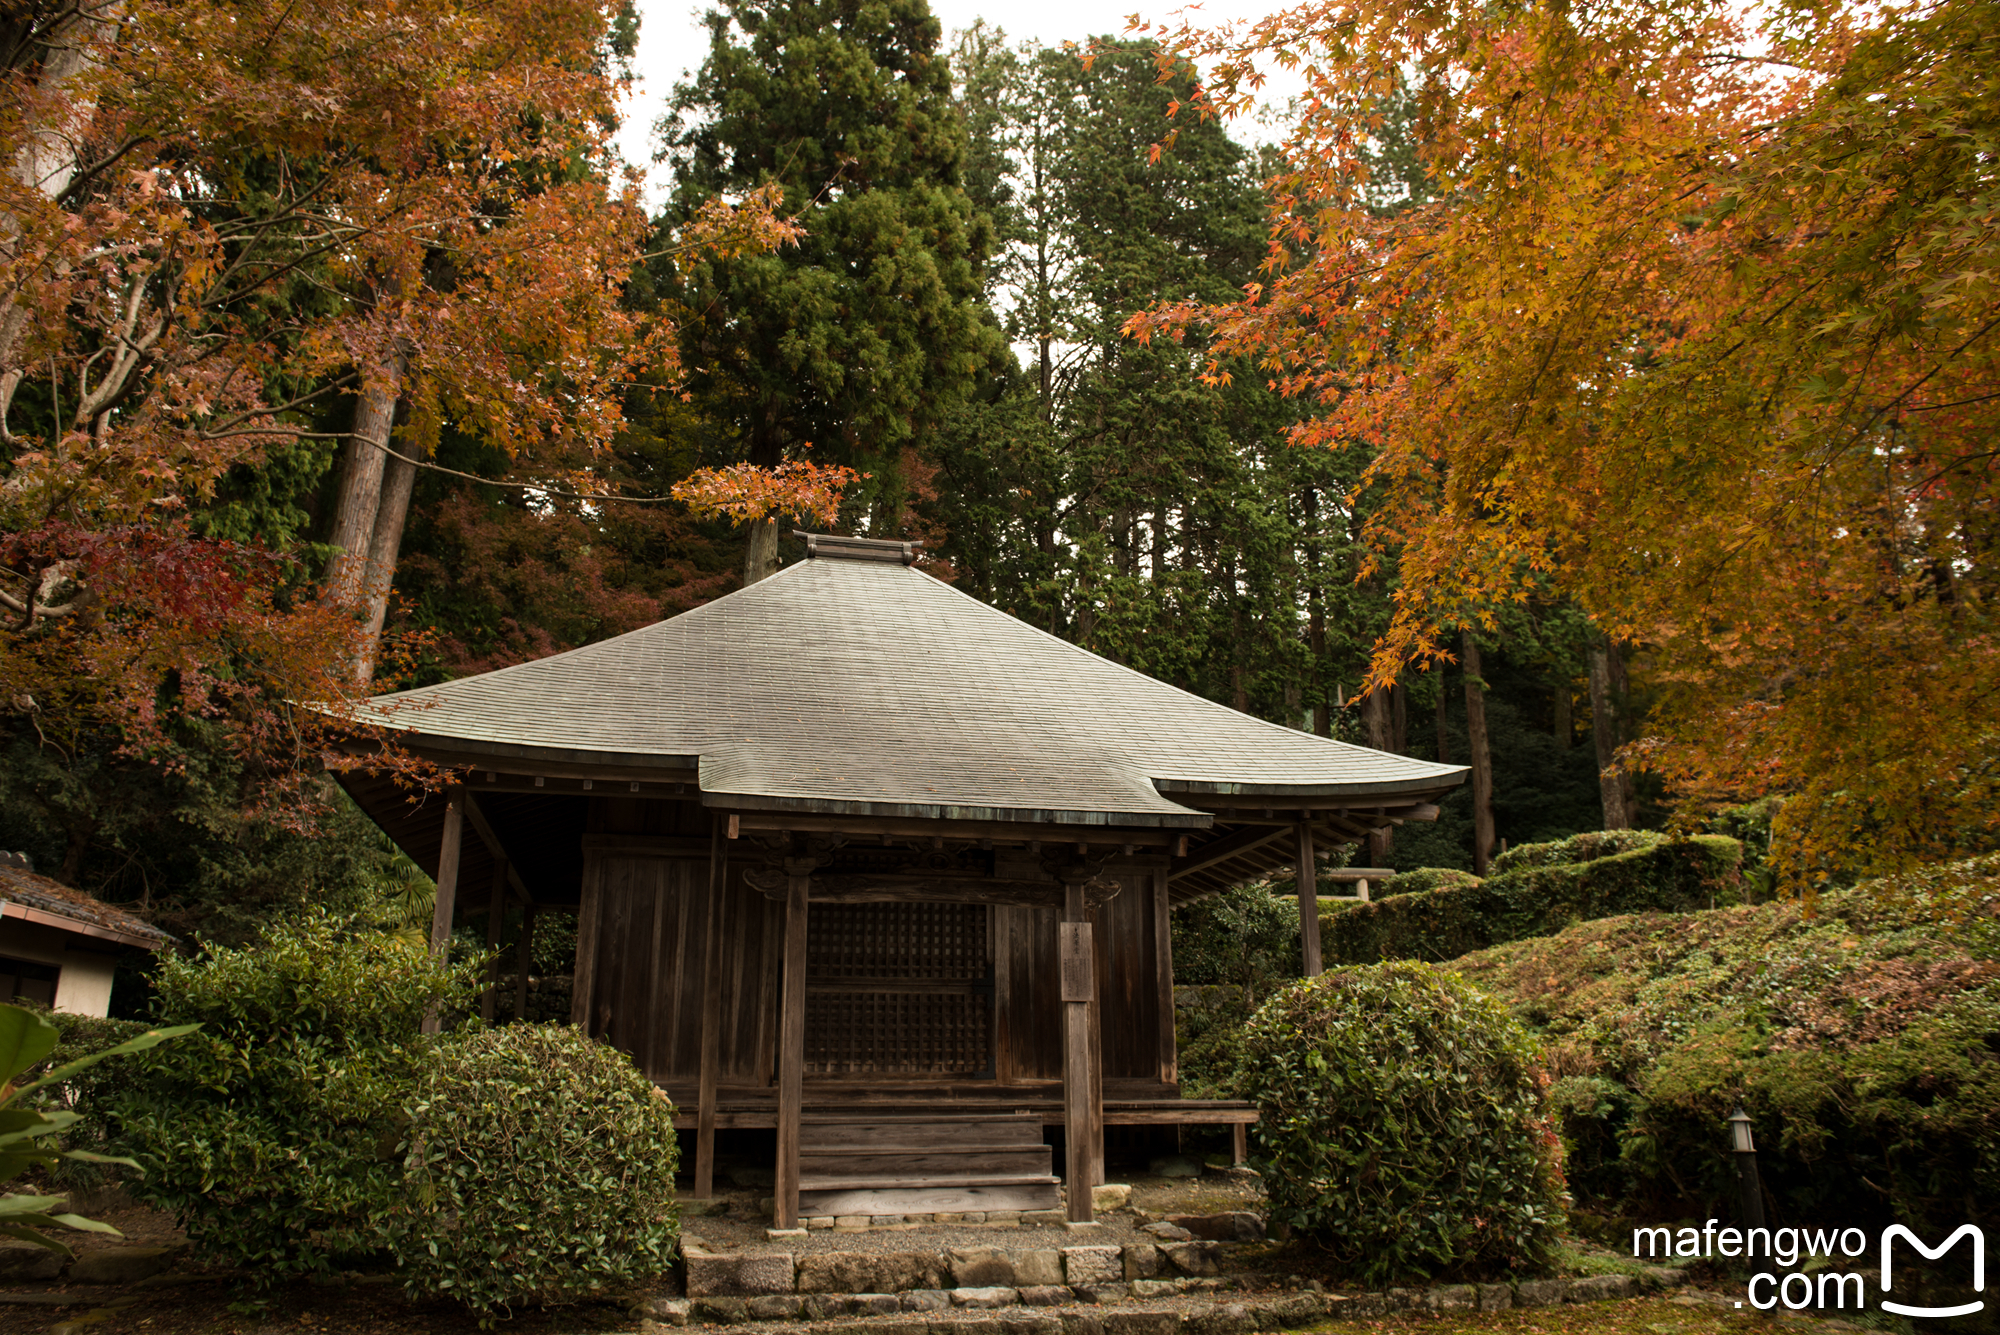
<point>40,899</point>
<point>864,686</point>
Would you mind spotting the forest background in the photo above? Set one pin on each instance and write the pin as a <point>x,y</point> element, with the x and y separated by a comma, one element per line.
<point>1602,398</point>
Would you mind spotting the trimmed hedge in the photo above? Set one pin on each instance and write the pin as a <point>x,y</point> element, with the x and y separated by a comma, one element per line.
<point>538,1168</point>
<point>1535,900</point>
<point>1426,878</point>
<point>1586,847</point>
<point>1405,1124</point>
<point>1859,1031</point>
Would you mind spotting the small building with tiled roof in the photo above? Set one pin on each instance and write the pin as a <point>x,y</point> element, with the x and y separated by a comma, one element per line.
<point>60,947</point>
<point>861,859</point>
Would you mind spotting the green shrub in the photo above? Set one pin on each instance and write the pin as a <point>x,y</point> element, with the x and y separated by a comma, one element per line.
<point>1242,937</point>
<point>1426,878</point>
<point>1405,1124</point>
<point>271,1134</point>
<point>1859,1032</point>
<point>1586,847</point>
<point>539,1167</point>
<point>1443,924</point>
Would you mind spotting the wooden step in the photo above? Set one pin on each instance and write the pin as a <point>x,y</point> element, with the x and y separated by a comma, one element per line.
<point>983,1160</point>
<point>892,1134</point>
<point>911,1182</point>
<point>931,1200</point>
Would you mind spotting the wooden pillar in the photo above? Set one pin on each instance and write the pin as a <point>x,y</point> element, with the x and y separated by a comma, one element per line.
<point>1239,1143</point>
<point>1163,966</point>
<point>711,1016</point>
<point>1308,902</point>
<point>792,1042</point>
<point>496,913</point>
<point>1076,952</point>
<point>589,915</point>
<point>447,890</point>
<point>525,951</point>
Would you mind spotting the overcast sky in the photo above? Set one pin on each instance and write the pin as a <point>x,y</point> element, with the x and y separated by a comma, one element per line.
<point>672,43</point>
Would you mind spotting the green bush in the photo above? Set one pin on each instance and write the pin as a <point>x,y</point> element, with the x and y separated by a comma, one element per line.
<point>539,1167</point>
<point>1426,878</point>
<point>1534,900</point>
<point>271,1134</point>
<point>1859,1032</point>
<point>1586,847</point>
<point>1242,937</point>
<point>1405,1124</point>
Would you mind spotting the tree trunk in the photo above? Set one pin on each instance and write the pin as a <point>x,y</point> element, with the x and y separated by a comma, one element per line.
<point>1322,722</point>
<point>1375,718</point>
<point>399,479</point>
<point>1443,756</point>
<point>1565,726</point>
<point>760,557</point>
<point>1399,718</point>
<point>360,494</point>
<point>1482,761</point>
<point>46,162</point>
<point>1607,733</point>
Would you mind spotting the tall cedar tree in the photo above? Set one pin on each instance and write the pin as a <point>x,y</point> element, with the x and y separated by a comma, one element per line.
<point>859,341</point>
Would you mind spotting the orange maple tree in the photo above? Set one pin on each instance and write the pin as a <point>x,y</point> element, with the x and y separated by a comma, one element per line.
<point>1702,324</point>
<point>223,223</point>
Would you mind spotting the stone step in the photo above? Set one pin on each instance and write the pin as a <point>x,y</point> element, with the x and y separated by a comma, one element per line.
<point>913,1161</point>
<point>1201,1306</point>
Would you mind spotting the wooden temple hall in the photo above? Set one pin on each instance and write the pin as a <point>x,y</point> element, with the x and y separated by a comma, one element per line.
<point>860,859</point>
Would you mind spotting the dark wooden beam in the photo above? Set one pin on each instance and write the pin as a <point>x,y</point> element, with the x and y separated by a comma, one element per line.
<point>1163,977</point>
<point>488,836</point>
<point>589,914</point>
<point>999,831</point>
<point>649,845</point>
<point>1308,877</point>
<point>1222,850</point>
<point>792,1044</point>
<point>447,891</point>
<point>496,906</point>
<point>711,1015</point>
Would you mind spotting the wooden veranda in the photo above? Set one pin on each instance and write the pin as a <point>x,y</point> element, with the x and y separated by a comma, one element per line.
<point>864,861</point>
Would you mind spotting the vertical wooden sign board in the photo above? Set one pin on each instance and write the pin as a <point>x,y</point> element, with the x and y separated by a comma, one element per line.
<point>1076,955</point>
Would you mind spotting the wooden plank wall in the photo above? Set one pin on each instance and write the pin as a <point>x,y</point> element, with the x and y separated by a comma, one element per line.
<point>648,989</point>
<point>1028,985</point>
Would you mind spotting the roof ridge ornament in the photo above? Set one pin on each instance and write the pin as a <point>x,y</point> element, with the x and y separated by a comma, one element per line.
<point>831,546</point>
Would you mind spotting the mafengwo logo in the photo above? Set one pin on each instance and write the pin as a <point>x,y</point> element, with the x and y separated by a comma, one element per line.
<point>1826,1289</point>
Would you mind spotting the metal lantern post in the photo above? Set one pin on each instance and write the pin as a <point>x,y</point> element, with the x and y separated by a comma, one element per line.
<point>1745,1145</point>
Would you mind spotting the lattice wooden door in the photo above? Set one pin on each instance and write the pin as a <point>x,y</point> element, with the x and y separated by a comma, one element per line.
<point>899,988</point>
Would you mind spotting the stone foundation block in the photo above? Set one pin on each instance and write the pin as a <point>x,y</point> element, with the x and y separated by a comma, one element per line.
<point>926,1300</point>
<point>1154,1288</point>
<point>1142,1323</point>
<point>989,1296</point>
<point>1601,1288</point>
<point>23,1263</point>
<point>720,1311</point>
<point>721,1275</point>
<point>1041,1266</point>
<point>1046,1295</point>
<point>1540,1292</point>
<point>775,1307</point>
<point>1143,1261</point>
<point>1194,1258</point>
<point>1229,1226</point>
<point>668,1311</point>
<point>1452,1298</point>
<point>1495,1297</point>
<point>119,1265</point>
<point>1093,1265</point>
<point>1232,1319</point>
<point>982,1267</point>
<point>1103,1293</point>
<point>1042,1218</point>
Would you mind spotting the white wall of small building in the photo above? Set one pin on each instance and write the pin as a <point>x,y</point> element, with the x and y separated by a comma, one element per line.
<point>83,983</point>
